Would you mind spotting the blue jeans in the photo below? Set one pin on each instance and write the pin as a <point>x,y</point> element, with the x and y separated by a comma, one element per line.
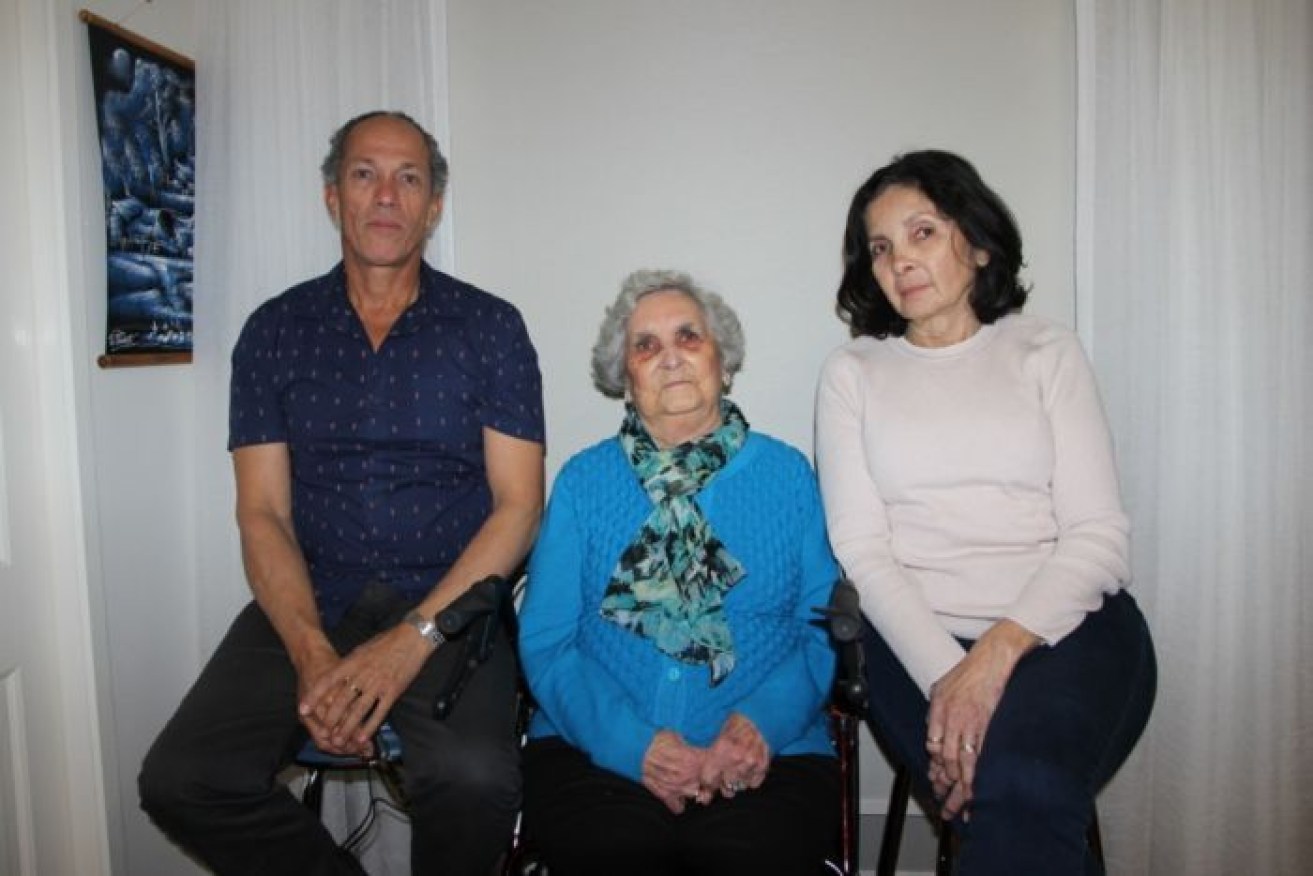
<point>1069,717</point>
<point>209,781</point>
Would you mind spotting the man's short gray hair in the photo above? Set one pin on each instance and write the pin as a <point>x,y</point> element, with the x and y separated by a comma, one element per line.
<point>331,168</point>
<point>609,352</point>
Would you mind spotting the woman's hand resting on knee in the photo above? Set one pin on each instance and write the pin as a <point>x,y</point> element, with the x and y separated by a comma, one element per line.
<point>962,703</point>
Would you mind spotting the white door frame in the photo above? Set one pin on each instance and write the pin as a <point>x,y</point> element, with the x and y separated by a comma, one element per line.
<point>51,737</point>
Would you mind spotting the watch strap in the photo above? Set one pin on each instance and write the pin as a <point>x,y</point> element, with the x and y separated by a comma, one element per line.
<point>426,627</point>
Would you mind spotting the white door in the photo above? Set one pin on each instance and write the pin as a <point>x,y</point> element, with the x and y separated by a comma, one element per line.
<point>52,818</point>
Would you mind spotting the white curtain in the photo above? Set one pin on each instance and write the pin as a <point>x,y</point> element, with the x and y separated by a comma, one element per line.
<point>1195,253</point>
<point>274,81</point>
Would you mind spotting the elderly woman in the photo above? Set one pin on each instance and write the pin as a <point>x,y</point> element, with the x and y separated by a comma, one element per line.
<point>667,632</point>
<point>971,494</point>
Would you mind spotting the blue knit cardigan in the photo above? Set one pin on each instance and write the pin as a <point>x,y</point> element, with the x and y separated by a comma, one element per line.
<point>606,690</point>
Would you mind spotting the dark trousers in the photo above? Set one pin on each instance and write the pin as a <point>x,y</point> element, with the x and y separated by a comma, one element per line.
<point>1068,719</point>
<point>209,781</point>
<point>588,821</point>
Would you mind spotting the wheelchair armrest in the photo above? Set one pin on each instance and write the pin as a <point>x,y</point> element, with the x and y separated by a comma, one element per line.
<point>471,622</point>
<point>844,620</point>
<point>483,598</point>
<point>850,688</point>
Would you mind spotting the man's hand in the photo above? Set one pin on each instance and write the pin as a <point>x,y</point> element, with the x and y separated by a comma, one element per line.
<point>738,760</point>
<point>343,704</point>
<point>313,668</point>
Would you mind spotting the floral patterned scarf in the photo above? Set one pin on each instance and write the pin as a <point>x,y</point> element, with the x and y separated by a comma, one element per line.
<point>670,583</point>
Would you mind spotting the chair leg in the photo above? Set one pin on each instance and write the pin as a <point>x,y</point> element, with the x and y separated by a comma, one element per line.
<point>312,796</point>
<point>521,859</point>
<point>512,862</point>
<point>894,818</point>
<point>945,851</point>
<point>1094,837</point>
<point>390,776</point>
<point>851,776</point>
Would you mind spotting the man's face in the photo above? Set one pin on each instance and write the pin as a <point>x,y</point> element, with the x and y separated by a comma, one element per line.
<point>383,201</point>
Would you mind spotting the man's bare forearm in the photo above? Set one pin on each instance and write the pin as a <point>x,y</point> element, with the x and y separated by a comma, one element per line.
<point>498,548</point>
<point>279,580</point>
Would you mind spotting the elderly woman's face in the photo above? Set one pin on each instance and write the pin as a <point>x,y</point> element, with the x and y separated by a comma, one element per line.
<point>673,366</point>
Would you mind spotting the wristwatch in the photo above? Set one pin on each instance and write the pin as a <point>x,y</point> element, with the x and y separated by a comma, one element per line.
<point>426,627</point>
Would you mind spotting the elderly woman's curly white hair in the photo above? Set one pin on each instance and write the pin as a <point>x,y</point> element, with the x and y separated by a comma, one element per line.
<point>609,351</point>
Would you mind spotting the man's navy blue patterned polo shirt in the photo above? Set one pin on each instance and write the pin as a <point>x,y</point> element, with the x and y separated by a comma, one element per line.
<point>388,478</point>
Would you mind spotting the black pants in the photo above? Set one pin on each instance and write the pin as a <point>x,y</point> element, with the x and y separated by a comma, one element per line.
<point>209,781</point>
<point>587,821</point>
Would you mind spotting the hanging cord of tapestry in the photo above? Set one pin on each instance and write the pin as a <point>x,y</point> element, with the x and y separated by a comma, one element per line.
<point>131,12</point>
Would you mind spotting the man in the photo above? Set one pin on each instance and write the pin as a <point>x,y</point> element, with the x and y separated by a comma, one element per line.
<point>386,430</point>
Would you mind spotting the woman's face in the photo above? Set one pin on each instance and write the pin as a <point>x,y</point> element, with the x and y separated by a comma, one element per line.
<point>924,265</point>
<point>673,366</point>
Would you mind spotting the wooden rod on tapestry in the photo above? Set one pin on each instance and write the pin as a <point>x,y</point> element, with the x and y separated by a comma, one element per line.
<point>92,18</point>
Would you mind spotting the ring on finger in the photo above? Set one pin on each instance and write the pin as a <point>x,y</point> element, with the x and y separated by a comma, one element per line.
<point>968,746</point>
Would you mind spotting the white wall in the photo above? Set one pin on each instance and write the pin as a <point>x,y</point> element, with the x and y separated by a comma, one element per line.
<point>140,495</point>
<point>725,137</point>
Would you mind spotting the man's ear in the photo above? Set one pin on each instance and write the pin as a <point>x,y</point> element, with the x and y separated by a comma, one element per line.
<point>435,214</point>
<point>332,204</point>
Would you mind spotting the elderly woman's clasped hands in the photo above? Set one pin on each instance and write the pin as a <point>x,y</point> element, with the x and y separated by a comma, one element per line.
<point>676,772</point>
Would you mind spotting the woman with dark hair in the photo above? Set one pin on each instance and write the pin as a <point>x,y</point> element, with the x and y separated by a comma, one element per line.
<point>971,494</point>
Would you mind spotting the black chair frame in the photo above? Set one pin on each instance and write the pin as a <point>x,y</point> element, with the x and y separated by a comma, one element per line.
<point>848,710</point>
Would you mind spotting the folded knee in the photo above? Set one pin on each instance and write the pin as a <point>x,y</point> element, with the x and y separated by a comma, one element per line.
<point>165,784</point>
<point>174,782</point>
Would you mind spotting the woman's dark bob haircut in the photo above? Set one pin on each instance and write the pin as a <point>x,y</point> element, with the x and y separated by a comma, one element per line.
<point>957,190</point>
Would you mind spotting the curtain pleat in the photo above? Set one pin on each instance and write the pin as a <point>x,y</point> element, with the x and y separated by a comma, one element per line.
<point>1195,228</point>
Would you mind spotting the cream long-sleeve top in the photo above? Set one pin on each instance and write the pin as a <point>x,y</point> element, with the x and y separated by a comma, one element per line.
<point>970,483</point>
